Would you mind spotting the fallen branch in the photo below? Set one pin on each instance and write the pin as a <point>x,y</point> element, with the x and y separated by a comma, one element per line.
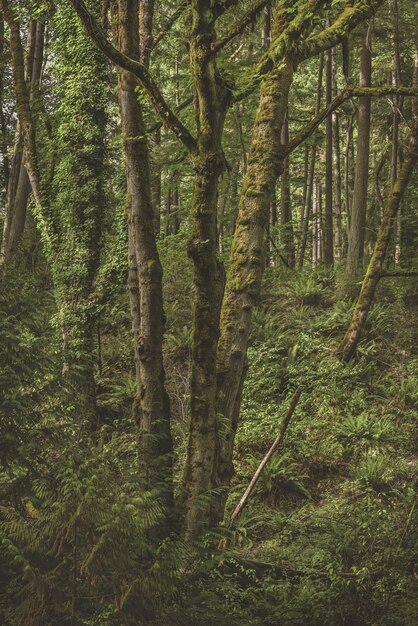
<point>277,442</point>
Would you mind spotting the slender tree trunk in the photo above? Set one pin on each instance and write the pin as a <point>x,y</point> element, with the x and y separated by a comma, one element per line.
<point>328,218</point>
<point>3,126</point>
<point>310,181</point>
<point>376,265</point>
<point>288,243</point>
<point>348,191</point>
<point>396,71</point>
<point>156,187</point>
<point>336,163</point>
<point>358,212</point>
<point>152,405</point>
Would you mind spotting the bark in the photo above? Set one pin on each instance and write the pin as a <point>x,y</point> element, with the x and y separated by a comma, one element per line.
<point>3,126</point>
<point>18,193</point>
<point>23,102</point>
<point>336,163</point>
<point>152,405</point>
<point>265,164</point>
<point>211,105</point>
<point>396,70</point>
<point>355,251</point>
<point>287,237</point>
<point>328,221</point>
<point>310,180</point>
<point>375,270</point>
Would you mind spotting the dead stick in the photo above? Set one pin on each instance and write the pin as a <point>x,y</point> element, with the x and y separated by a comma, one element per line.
<point>276,444</point>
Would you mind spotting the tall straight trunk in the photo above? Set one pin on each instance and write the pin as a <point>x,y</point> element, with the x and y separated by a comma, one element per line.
<point>18,193</point>
<point>348,167</point>
<point>287,237</point>
<point>152,406</point>
<point>247,262</point>
<point>358,211</point>
<point>376,266</point>
<point>211,106</point>
<point>336,162</point>
<point>396,71</point>
<point>156,186</point>
<point>3,126</point>
<point>310,180</point>
<point>328,217</point>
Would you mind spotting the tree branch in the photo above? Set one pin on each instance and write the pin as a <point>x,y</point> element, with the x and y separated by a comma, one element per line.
<point>170,22</point>
<point>167,115</point>
<point>350,92</point>
<point>346,22</point>
<point>245,20</point>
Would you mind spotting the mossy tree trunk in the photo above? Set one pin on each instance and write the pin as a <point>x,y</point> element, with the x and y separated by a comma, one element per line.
<point>211,105</point>
<point>152,405</point>
<point>375,269</point>
<point>19,187</point>
<point>356,233</point>
<point>265,164</point>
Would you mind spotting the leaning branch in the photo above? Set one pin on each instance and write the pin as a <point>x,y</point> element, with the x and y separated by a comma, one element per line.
<point>350,92</point>
<point>167,115</point>
<point>291,42</point>
<point>245,20</point>
<point>170,23</point>
<point>277,442</point>
<point>350,17</point>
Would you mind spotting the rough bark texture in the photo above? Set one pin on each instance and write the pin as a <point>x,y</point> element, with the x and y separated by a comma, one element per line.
<point>265,164</point>
<point>18,191</point>
<point>152,406</point>
<point>287,237</point>
<point>211,106</point>
<point>311,173</point>
<point>336,163</point>
<point>358,210</point>
<point>328,221</point>
<point>376,265</point>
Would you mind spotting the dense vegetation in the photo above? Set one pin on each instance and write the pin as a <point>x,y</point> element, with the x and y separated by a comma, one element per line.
<point>209,244</point>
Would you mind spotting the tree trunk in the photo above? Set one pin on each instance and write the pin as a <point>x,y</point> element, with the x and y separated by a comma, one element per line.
<point>18,194</point>
<point>152,405</point>
<point>336,163</point>
<point>328,218</point>
<point>358,211</point>
<point>211,106</point>
<point>376,265</point>
<point>310,181</point>
<point>287,238</point>
<point>247,263</point>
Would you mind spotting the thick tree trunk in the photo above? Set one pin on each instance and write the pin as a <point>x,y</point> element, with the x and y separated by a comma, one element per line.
<point>211,105</point>
<point>247,264</point>
<point>152,405</point>
<point>376,265</point>
<point>358,211</point>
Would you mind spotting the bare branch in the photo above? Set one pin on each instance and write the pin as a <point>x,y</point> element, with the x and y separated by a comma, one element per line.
<point>170,22</point>
<point>351,92</point>
<point>167,115</point>
<point>245,20</point>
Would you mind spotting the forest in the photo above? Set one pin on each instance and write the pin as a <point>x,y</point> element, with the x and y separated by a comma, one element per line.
<point>208,313</point>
